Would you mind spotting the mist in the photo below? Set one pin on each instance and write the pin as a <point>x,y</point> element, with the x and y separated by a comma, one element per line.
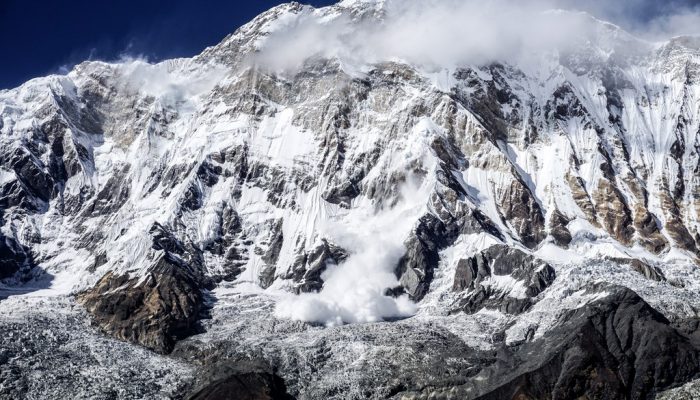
<point>433,33</point>
<point>448,33</point>
<point>168,81</point>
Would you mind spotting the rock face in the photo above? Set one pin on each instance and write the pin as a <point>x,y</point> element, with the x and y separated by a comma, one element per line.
<point>615,348</point>
<point>154,311</point>
<point>308,266</point>
<point>558,229</point>
<point>493,200</point>
<point>520,208</point>
<point>12,257</point>
<point>415,269</point>
<point>501,278</point>
<point>613,212</point>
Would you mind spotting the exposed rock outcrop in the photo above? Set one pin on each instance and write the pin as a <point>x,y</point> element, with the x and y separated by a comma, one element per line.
<point>154,311</point>
<point>647,226</point>
<point>674,223</point>
<point>308,266</point>
<point>13,257</point>
<point>613,212</point>
<point>581,197</point>
<point>558,229</point>
<point>415,269</point>
<point>615,348</point>
<point>520,208</point>
<point>501,278</point>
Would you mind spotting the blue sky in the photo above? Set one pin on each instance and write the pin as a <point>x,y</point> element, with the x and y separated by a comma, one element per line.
<point>40,37</point>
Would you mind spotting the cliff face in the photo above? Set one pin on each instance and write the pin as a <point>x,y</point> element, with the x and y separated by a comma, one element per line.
<point>494,198</point>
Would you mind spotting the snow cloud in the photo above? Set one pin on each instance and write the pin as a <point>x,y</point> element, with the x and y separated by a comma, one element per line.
<point>354,291</point>
<point>430,33</point>
<point>171,81</point>
<point>444,33</point>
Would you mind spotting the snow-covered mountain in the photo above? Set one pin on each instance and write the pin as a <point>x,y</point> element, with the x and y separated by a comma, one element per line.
<point>356,223</point>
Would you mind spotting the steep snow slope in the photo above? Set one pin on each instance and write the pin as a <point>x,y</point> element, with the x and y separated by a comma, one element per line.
<point>498,205</point>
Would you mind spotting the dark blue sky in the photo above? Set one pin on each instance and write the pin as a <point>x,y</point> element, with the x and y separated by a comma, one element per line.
<point>38,37</point>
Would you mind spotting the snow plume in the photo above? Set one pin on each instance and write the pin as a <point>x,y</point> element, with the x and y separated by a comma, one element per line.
<point>430,33</point>
<point>354,291</point>
<point>170,81</point>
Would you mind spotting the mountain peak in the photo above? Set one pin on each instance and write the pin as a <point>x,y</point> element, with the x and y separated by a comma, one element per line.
<point>331,191</point>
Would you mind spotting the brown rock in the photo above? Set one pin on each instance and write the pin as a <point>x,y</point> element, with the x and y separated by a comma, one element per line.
<point>519,207</point>
<point>558,229</point>
<point>674,223</point>
<point>581,197</point>
<point>613,212</point>
<point>647,227</point>
<point>154,313</point>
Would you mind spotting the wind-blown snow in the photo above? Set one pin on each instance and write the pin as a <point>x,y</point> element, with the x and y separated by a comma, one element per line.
<point>432,34</point>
